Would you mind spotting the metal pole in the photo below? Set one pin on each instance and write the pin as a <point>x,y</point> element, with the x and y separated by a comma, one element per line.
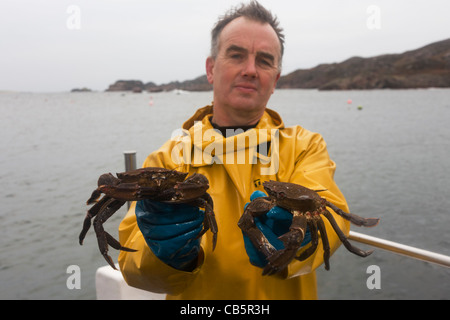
<point>130,164</point>
<point>130,160</point>
<point>401,249</point>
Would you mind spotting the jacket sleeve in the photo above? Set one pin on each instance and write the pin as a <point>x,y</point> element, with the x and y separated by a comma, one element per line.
<point>142,269</point>
<point>314,169</point>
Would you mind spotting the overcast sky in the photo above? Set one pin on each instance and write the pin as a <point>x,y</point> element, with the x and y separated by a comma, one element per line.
<point>58,45</point>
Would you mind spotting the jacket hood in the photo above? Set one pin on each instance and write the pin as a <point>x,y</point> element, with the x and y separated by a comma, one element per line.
<point>269,118</point>
<point>213,147</point>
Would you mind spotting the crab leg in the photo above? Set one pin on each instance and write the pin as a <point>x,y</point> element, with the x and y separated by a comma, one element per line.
<point>247,224</point>
<point>353,218</point>
<point>95,195</point>
<point>210,219</point>
<point>325,243</point>
<point>103,238</point>
<point>209,222</point>
<point>297,230</point>
<point>314,241</point>
<point>343,238</point>
<point>91,213</point>
<point>292,241</point>
<point>116,244</point>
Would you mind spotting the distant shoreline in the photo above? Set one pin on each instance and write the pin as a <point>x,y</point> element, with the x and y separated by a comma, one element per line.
<point>426,67</point>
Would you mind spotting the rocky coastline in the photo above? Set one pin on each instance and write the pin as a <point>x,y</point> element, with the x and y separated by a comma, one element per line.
<point>198,84</point>
<point>425,67</point>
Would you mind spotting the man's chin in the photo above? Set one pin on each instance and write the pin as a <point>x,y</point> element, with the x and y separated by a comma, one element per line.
<point>245,103</point>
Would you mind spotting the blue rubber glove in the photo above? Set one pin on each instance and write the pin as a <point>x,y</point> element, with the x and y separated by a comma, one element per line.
<point>171,231</point>
<point>273,224</point>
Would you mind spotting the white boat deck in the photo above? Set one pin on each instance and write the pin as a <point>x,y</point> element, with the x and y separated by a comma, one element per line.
<point>110,285</point>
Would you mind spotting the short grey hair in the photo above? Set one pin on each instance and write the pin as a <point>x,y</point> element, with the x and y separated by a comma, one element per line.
<point>253,11</point>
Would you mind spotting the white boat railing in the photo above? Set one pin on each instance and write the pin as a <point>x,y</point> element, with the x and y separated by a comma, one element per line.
<point>401,249</point>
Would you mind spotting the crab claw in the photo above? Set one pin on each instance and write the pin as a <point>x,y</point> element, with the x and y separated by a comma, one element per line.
<point>278,261</point>
<point>94,197</point>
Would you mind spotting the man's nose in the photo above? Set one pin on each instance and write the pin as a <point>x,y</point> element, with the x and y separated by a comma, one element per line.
<point>249,68</point>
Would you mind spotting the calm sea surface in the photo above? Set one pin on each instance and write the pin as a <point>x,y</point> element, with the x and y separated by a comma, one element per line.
<point>392,162</point>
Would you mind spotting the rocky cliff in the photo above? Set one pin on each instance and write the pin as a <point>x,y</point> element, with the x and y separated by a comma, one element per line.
<point>127,85</point>
<point>198,84</point>
<point>421,68</point>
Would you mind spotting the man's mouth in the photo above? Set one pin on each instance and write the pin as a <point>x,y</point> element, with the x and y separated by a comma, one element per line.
<point>246,88</point>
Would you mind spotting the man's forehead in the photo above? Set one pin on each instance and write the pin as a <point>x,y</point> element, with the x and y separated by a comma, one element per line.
<point>243,32</point>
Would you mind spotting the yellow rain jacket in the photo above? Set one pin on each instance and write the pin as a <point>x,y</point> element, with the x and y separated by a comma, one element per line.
<point>235,169</point>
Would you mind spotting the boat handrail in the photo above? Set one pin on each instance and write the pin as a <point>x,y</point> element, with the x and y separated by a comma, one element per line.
<point>401,249</point>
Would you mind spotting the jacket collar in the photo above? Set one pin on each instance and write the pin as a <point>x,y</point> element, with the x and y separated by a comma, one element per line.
<point>269,120</point>
<point>213,147</point>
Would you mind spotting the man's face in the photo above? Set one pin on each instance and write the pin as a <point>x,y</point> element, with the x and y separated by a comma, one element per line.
<point>245,71</point>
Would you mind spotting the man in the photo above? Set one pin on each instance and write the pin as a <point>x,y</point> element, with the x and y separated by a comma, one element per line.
<point>244,66</point>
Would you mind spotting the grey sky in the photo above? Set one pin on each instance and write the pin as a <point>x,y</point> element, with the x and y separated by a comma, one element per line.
<point>57,45</point>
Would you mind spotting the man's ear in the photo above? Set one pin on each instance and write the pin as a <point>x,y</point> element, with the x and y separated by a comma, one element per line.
<point>276,81</point>
<point>209,69</point>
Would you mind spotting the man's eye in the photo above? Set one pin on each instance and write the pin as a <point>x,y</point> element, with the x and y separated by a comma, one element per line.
<point>266,62</point>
